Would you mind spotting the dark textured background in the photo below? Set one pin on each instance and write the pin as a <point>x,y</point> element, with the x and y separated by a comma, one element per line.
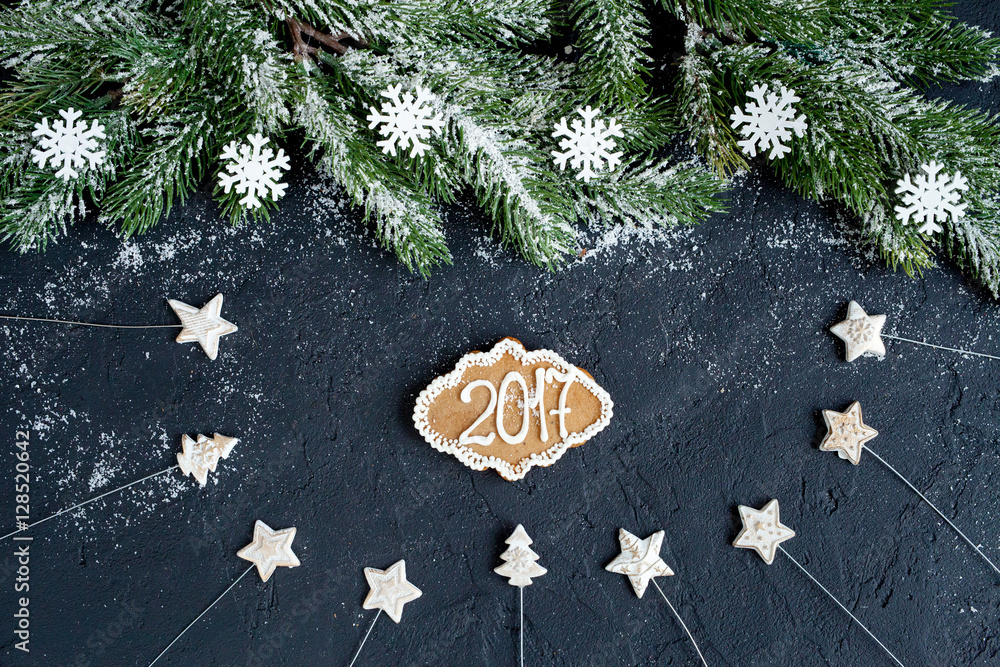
<point>711,341</point>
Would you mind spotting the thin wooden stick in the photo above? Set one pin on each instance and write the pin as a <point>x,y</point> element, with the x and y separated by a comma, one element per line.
<point>681,621</point>
<point>87,502</point>
<point>521,588</point>
<point>93,324</point>
<point>370,628</point>
<point>933,507</point>
<point>940,347</point>
<point>846,610</point>
<point>200,615</point>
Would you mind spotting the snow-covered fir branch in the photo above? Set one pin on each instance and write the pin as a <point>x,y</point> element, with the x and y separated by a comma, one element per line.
<point>174,83</point>
<point>852,66</point>
<point>404,217</point>
<point>195,75</point>
<point>614,40</point>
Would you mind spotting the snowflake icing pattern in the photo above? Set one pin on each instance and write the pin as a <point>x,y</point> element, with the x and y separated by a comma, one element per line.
<point>254,170</point>
<point>931,198</point>
<point>405,121</point>
<point>588,144</point>
<point>768,122</point>
<point>69,143</point>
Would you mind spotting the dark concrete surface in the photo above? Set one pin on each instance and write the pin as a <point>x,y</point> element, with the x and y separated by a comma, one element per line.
<point>712,341</point>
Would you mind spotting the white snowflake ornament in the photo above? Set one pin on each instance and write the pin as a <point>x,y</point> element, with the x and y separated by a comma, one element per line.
<point>69,143</point>
<point>769,121</point>
<point>254,170</point>
<point>406,120</point>
<point>587,144</point>
<point>930,198</point>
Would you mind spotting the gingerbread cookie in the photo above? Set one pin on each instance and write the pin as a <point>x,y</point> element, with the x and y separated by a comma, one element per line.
<point>510,409</point>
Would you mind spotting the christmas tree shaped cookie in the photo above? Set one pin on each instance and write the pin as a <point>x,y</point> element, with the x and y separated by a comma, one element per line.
<point>519,564</point>
<point>200,457</point>
<point>510,409</point>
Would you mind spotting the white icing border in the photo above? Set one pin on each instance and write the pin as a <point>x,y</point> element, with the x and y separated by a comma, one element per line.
<point>480,462</point>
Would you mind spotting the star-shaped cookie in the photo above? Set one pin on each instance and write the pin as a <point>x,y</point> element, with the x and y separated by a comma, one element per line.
<point>860,332</point>
<point>640,559</point>
<point>846,434</point>
<point>270,549</point>
<point>762,531</point>
<point>203,325</point>
<point>390,590</point>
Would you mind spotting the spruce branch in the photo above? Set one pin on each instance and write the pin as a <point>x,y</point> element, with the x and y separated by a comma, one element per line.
<point>244,61</point>
<point>168,167</point>
<point>854,143</point>
<point>968,141</point>
<point>747,21</point>
<point>425,22</point>
<point>38,208</point>
<point>614,38</point>
<point>852,65</point>
<point>302,50</point>
<point>913,41</point>
<point>403,216</point>
<point>701,109</point>
<point>651,192</point>
<point>528,209</point>
<point>511,181</point>
<point>187,78</point>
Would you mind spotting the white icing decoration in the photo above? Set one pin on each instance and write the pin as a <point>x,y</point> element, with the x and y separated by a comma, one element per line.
<point>203,325</point>
<point>538,401</point>
<point>466,396</point>
<point>519,437</point>
<point>477,461</point>
<point>567,380</point>
<point>498,399</point>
